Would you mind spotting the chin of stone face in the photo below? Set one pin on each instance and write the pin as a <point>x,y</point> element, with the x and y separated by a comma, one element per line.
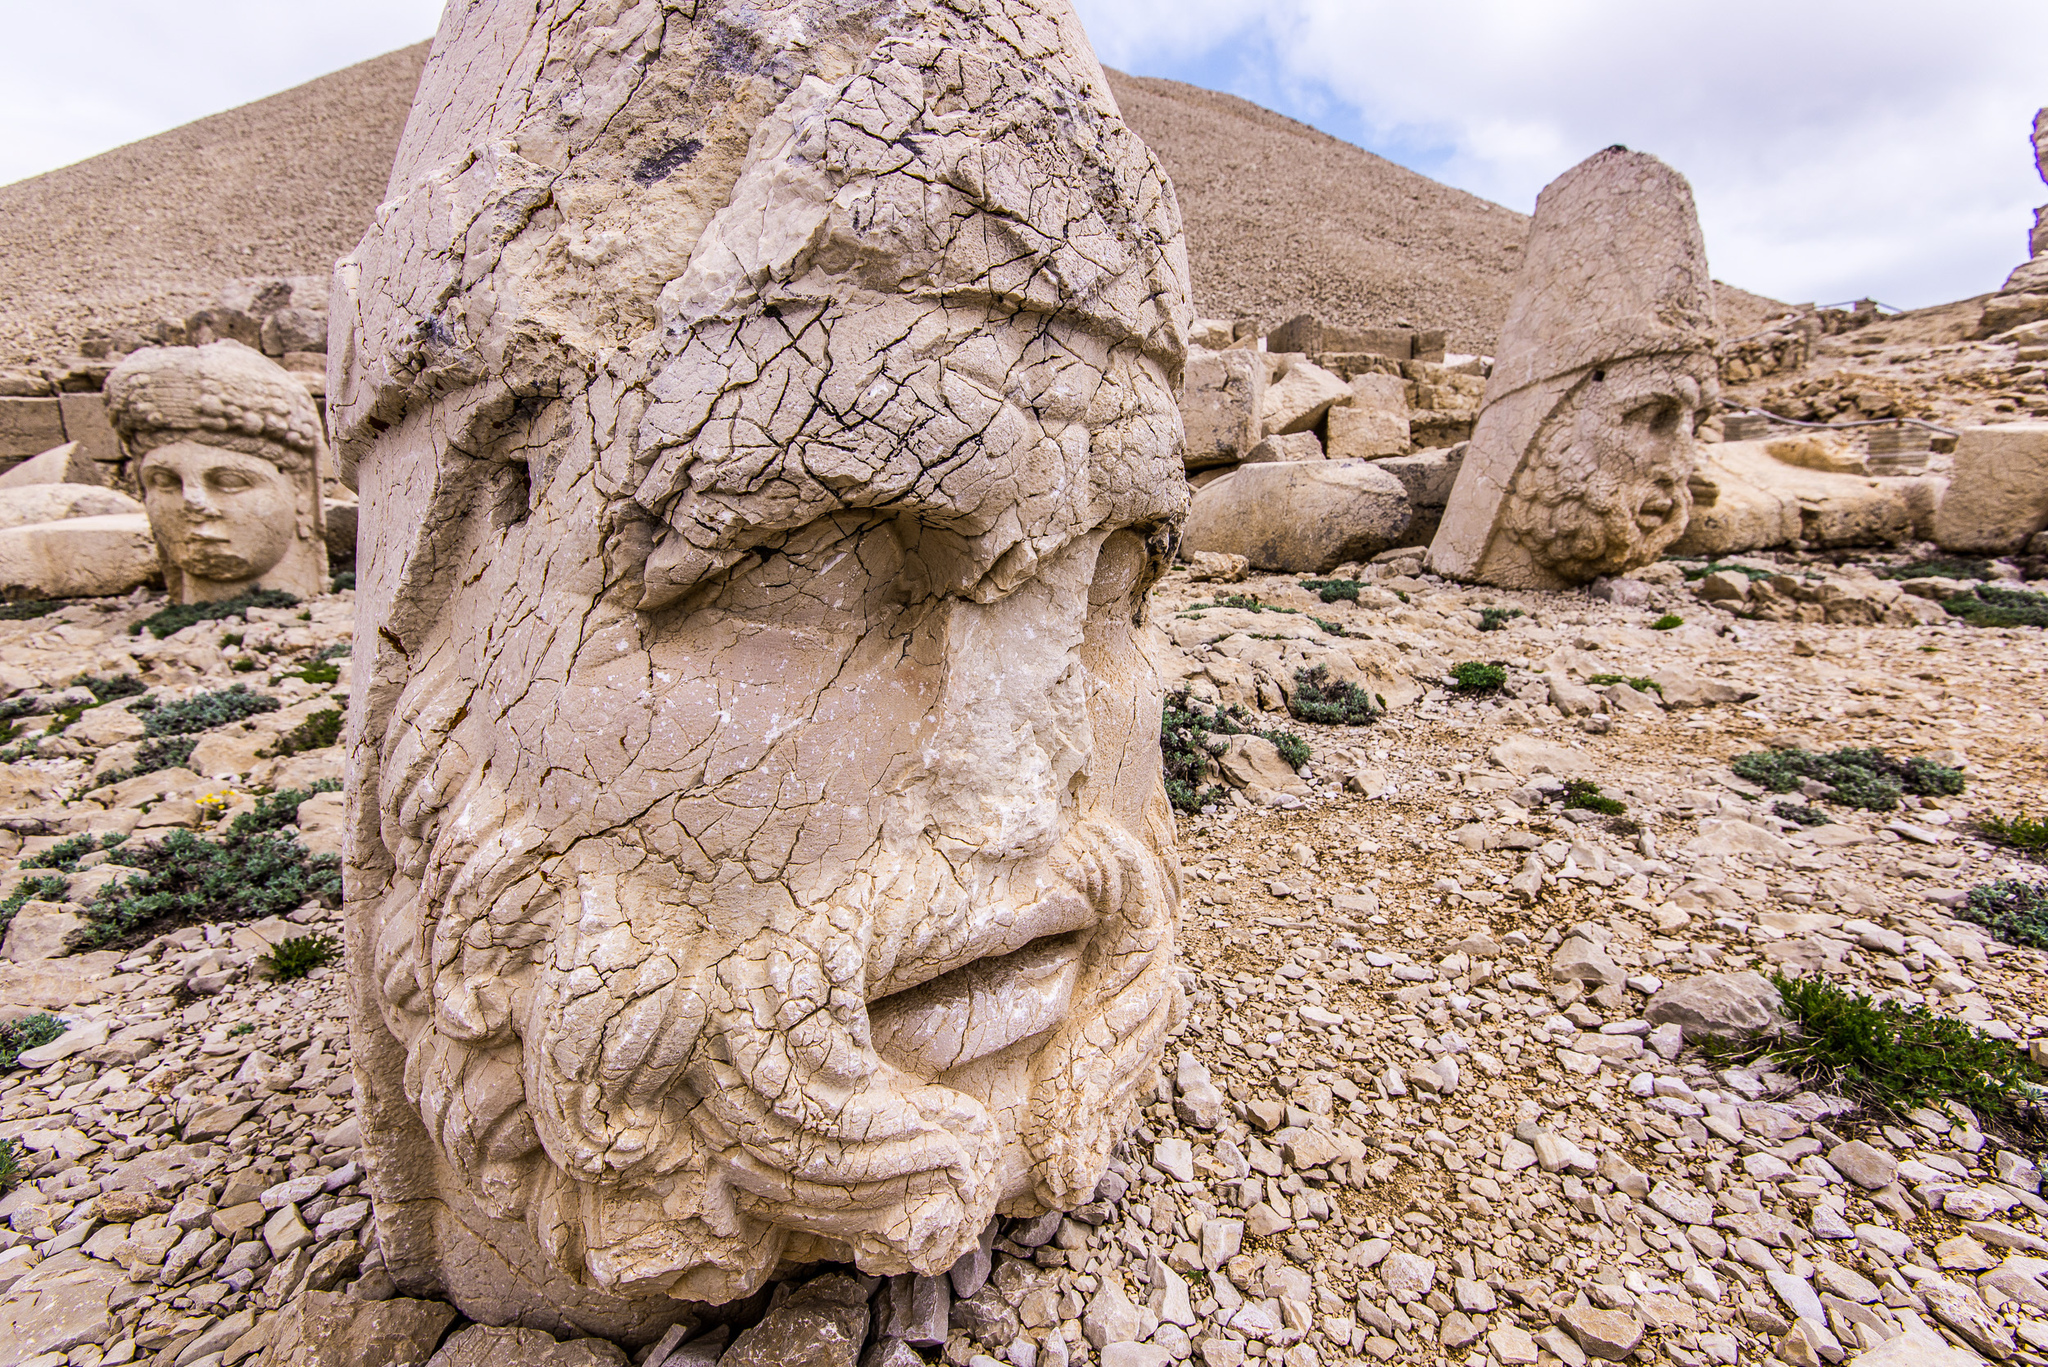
<point>764,453</point>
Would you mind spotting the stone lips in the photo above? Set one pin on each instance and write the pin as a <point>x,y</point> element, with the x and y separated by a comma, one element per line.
<point>760,851</point>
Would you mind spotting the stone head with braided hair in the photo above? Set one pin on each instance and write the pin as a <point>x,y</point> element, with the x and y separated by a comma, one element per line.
<point>766,434</point>
<point>226,448</point>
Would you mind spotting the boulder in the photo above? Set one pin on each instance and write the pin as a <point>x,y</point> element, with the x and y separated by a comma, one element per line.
<point>1221,405</point>
<point>1297,398</point>
<point>1725,1005</point>
<point>1364,433</point>
<point>821,1324</point>
<point>24,504</point>
<point>1744,499</point>
<point>481,1345</point>
<point>326,1329</point>
<point>1300,517</point>
<point>1293,446</point>
<point>66,464</point>
<point>1998,493</point>
<point>338,518</point>
<point>81,557</point>
<point>39,931</point>
<point>1254,764</point>
<point>1429,477</point>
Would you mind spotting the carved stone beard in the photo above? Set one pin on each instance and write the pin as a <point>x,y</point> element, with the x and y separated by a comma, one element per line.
<point>759,1095</point>
<point>1575,507</point>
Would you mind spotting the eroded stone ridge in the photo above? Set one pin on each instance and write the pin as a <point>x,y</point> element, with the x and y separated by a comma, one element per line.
<point>1581,454</point>
<point>766,435</point>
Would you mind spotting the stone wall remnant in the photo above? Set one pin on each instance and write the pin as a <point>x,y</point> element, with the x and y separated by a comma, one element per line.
<point>766,436</point>
<point>1580,456</point>
<point>225,447</point>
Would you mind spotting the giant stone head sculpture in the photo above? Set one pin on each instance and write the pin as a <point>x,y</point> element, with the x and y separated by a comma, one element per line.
<point>226,448</point>
<point>1584,446</point>
<point>765,428</point>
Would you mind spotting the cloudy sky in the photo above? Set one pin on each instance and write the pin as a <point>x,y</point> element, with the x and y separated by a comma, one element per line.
<point>1837,149</point>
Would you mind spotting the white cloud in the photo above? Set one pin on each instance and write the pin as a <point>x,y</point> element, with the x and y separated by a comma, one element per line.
<point>80,76</point>
<point>1836,149</point>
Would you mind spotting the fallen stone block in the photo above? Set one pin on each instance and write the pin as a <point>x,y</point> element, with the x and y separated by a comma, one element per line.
<point>1299,517</point>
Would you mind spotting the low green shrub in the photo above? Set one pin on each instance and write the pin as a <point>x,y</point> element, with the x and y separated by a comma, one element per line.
<point>1855,777</point>
<point>316,732</point>
<point>170,752</point>
<point>1640,685</point>
<point>1584,795</point>
<point>1937,568</point>
<point>1799,814</point>
<point>1667,622</point>
<point>321,672</point>
<point>2014,911</point>
<point>281,809</point>
<point>1333,628</point>
<point>28,609</point>
<point>299,955</point>
<point>343,581</point>
<point>1334,590</point>
<point>1702,571</point>
<point>1474,676</point>
<point>1892,1055</point>
<point>1183,727</point>
<point>1332,702</point>
<point>65,854</point>
<point>10,1166</point>
<point>208,710</point>
<point>178,616</point>
<point>1497,619</point>
<point>2018,833</point>
<point>249,874</point>
<point>111,689</point>
<point>30,1032</point>
<point>1989,606</point>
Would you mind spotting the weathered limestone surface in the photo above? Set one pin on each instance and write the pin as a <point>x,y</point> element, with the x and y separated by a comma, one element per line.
<point>1744,498</point>
<point>226,448</point>
<point>1579,460</point>
<point>766,434</point>
<point>1998,495</point>
<point>1222,403</point>
<point>1304,516</point>
<point>79,557</point>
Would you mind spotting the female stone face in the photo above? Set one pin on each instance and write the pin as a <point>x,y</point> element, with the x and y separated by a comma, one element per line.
<point>221,515</point>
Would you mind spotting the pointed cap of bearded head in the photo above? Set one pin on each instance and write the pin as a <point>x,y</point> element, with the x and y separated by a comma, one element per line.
<point>1614,267</point>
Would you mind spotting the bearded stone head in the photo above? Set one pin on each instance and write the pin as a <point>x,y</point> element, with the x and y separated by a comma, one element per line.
<point>225,448</point>
<point>1584,445</point>
<point>765,429</point>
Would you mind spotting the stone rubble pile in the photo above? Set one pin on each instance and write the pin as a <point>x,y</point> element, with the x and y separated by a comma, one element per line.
<point>1440,1096</point>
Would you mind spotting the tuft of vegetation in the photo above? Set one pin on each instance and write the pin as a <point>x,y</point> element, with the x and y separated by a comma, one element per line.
<point>48,888</point>
<point>1497,619</point>
<point>2018,833</point>
<point>280,809</point>
<point>31,608</point>
<point>178,616</point>
<point>18,1037</point>
<point>1333,628</point>
<point>1702,571</point>
<point>1866,778</point>
<point>111,689</point>
<point>1799,814</point>
<point>294,958</point>
<point>1667,622</point>
<point>253,872</point>
<point>242,1028</point>
<point>1584,795</point>
<point>172,752</point>
<point>1894,1056</point>
<point>2014,911</point>
<point>65,854</point>
<point>345,580</point>
<point>1188,763</point>
<point>208,710</point>
<point>1474,676</point>
<point>316,732</point>
<point>1988,606</point>
<point>1938,568</point>
<point>1640,685</point>
<point>1333,702</point>
<point>10,1166</point>
<point>321,672</point>
<point>1334,590</point>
